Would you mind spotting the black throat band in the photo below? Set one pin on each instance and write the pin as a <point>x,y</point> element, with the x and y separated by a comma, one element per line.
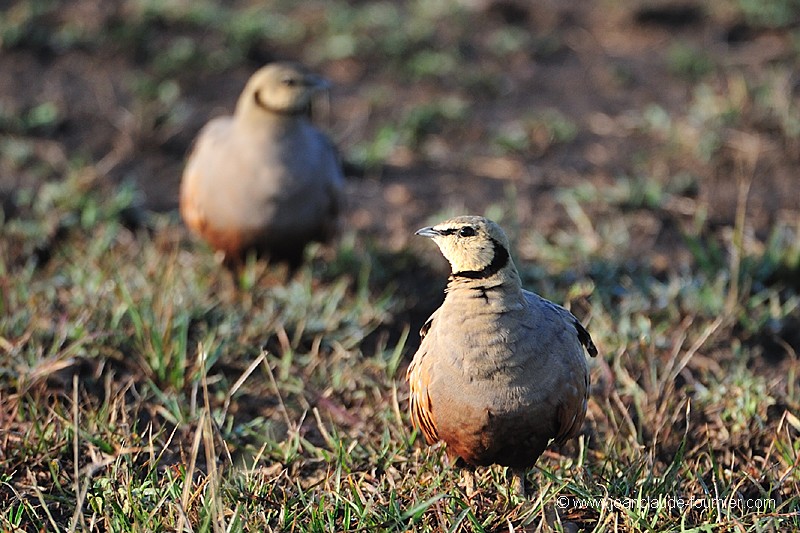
<point>499,261</point>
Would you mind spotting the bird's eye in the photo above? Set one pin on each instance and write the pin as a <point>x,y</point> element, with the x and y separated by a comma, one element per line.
<point>466,231</point>
<point>291,82</point>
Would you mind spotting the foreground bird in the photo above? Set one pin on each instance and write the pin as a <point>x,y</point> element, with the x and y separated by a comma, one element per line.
<point>500,371</point>
<point>264,179</point>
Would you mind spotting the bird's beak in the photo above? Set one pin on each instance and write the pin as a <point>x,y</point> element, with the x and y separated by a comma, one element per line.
<point>430,231</point>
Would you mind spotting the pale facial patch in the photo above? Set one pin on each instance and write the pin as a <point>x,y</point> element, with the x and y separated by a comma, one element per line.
<point>280,88</point>
<point>467,251</point>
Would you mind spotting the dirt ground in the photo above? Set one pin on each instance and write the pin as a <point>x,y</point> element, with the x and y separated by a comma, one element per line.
<point>600,65</point>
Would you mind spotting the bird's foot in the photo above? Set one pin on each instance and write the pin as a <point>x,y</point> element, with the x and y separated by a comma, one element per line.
<point>518,483</point>
<point>468,480</point>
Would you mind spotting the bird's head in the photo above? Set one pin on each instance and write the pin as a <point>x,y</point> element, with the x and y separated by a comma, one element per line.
<point>476,247</point>
<point>280,88</point>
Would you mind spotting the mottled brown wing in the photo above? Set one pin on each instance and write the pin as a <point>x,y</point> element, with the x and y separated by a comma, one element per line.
<point>419,401</point>
<point>574,392</point>
<point>571,413</point>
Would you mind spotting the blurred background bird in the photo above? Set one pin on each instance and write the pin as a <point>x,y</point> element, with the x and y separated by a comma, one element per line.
<point>265,179</point>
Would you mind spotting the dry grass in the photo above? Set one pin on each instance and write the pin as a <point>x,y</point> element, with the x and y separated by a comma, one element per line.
<point>142,387</point>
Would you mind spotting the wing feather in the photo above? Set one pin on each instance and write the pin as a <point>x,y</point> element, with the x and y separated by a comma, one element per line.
<point>419,401</point>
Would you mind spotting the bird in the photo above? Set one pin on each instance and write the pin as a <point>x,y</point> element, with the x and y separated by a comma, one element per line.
<point>264,179</point>
<point>500,371</point>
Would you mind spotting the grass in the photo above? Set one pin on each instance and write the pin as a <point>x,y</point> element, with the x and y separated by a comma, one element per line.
<point>145,388</point>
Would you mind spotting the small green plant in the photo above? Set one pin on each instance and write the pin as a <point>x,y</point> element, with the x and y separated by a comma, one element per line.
<point>770,13</point>
<point>689,62</point>
<point>373,153</point>
<point>536,133</point>
<point>431,118</point>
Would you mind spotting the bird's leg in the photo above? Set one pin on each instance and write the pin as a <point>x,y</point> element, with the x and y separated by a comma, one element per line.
<point>468,478</point>
<point>518,482</point>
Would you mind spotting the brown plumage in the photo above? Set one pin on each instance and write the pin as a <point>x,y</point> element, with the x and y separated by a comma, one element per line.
<point>264,179</point>
<point>500,371</point>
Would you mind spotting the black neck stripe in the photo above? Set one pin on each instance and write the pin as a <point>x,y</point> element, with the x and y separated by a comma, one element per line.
<point>499,261</point>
